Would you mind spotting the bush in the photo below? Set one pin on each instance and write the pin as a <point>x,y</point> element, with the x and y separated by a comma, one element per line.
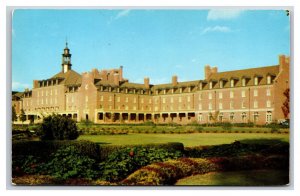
<point>42,149</point>
<point>121,163</point>
<point>227,126</point>
<point>167,173</point>
<point>69,163</point>
<point>274,128</point>
<point>106,150</point>
<point>55,127</point>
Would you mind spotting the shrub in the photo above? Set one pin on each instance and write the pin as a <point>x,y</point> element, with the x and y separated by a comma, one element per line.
<point>167,173</point>
<point>69,163</point>
<point>227,126</point>
<point>121,163</point>
<point>55,127</point>
<point>274,128</point>
<point>42,149</point>
<point>106,150</point>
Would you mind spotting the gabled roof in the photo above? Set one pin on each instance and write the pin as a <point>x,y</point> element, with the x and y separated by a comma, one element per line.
<point>69,78</point>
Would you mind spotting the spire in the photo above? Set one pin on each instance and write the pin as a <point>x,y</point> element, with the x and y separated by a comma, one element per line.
<point>66,42</point>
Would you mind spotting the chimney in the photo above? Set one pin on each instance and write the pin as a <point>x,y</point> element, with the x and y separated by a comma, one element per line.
<point>214,70</point>
<point>116,79</point>
<point>207,71</point>
<point>35,83</point>
<point>174,80</point>
<point>121,73</point>
<point>147,82</point>
<point>282,62</point>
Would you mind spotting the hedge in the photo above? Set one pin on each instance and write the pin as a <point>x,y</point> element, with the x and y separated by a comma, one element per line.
<point>93,150</point>
<point>168,172</point>
<point>105,150</point>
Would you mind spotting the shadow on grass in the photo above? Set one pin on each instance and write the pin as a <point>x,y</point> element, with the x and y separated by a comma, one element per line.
<point>101,143</point>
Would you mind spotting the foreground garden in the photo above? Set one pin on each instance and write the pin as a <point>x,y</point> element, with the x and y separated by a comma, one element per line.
<point>71,158</point>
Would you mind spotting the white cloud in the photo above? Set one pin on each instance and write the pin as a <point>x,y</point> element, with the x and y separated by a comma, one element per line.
<point>223,29</point>
<point>223,14</point>
<point>19,86</point>
<point>122,14</point>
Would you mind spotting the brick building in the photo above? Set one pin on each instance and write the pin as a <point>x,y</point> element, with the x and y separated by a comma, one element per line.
<point>104,96</point>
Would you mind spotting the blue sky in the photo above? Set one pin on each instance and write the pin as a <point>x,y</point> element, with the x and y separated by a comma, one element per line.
<point>148,43</point>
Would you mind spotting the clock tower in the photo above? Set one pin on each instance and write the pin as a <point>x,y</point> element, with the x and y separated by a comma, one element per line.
<point>66,59</point>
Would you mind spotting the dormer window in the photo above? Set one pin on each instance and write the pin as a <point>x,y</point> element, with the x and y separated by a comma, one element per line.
<point>243,82</point>
<point>269,80</point>
<point>221,84</point>
<point>232,83</point>
<point>256,81</point>
<point>210,85</point>
<point>165,91</point>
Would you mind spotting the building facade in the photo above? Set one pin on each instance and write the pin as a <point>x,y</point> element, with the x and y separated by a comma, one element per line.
<point>104,96</point>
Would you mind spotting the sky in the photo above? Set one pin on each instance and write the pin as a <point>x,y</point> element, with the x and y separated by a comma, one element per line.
<point>147,43</point>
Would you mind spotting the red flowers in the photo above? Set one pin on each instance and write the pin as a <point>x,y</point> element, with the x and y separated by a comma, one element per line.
<point>131,153</point>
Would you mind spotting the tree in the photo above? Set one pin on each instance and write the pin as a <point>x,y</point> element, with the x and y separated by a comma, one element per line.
<point>286,104</point>
<point>56,127</point>
<point>22,116</point>
<point>14,113</point>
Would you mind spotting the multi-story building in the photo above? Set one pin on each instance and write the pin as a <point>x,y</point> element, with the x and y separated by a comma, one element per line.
<point>104,96</point>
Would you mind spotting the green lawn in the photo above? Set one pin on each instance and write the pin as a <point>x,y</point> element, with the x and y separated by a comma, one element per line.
<point>238,178</point>
<point>194,139</point>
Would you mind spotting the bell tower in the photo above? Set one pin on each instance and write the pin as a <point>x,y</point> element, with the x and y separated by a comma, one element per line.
<point>66,59</point>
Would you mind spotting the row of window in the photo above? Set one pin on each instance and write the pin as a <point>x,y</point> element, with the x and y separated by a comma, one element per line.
<point>232,117</point>
<point>244,82</point>
<point>50,92</point>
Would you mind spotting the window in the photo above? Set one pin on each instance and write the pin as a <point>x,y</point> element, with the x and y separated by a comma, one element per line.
<point>188,98</point>
<point>42,102</point>
<point>231,105</point>
<point>55,91</point>
<point>200,117</point>
<point>243,104</point>
<point>42,93</point>
<point>142,100</point>
<point>210,85</point>
<point>72,99</point>
<point>243,93</point>
<point>38,94</point>
<point>164,100</point>
<point>220,95</point>
<point>101,98</point>
<point>231,117</point>
<point>221,84</point>
<point>118,99</point>
<point>244,117</point>
<point>232,83</point>
<point>165,91</point>
<point>188,107</point>
<point>189,89</point>
<point>86,98</point>
<point>220,106</point>
<point>172,100</point>
<point>269,117</point>
<point>255,117</point>
<point>243,82</point>
<point>200,96</point>
<point>231,94</point>
<point>126,99</point>
<point>256,81</point>
<point>46,93</point>
<point>171,107</point>
<point>200,106</point>
<point>255,104</point>
<point>209,96</point>
<point>255,92</point>
<point>210,106</point>
<point>134,100</point>
<point>134,107</point>
<point>180,99</point>
<point>268,104</point>
<point>180,90</point>
<point>268,92</point>
<point>269,80</point>
<point>221,117</point>
<point>126,107</point>
<point>150,101</point>
<point>109,99</point>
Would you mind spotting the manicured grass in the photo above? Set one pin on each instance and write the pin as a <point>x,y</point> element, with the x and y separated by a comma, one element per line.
<point>194,139</point>
<point>239,178</point>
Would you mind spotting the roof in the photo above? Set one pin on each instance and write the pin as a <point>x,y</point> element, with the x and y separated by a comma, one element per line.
<point>250,74</point>
<point>69,78</point>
